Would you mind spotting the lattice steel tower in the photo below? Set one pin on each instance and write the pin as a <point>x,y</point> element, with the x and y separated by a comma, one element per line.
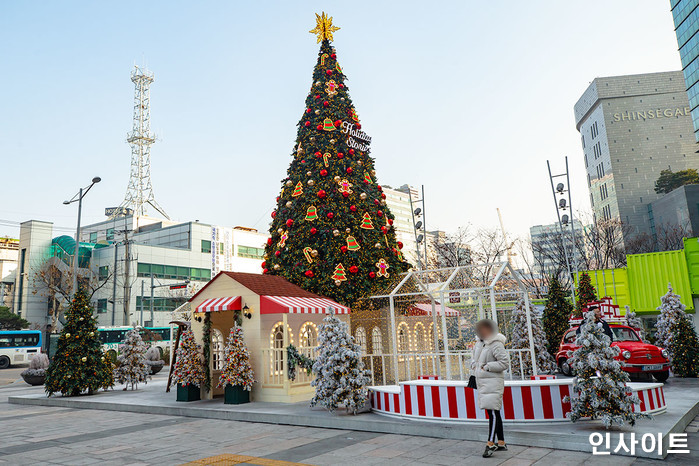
<point>140,190</point>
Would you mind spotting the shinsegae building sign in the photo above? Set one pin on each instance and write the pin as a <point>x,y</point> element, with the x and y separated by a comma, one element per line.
<point>651,114</point>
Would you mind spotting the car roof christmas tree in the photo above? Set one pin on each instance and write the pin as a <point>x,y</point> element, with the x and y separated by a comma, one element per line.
<point>331,226</point>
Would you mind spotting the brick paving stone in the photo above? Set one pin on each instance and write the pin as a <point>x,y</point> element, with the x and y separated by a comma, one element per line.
<point>533,453</point>
<point>517,462</point>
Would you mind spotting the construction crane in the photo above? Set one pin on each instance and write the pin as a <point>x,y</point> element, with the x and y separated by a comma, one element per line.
<point>508,244</point>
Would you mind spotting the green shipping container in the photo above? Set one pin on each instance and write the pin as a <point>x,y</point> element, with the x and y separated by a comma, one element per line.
<point>649,275</point>
<point>611,282</point>
<point>691,252</point>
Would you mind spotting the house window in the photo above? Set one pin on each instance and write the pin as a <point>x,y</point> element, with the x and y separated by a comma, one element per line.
<point>276,344</point>
<point>218,357</point>
<point>93,236</point>
<point>308,336</point>
<point>376,343</point>
<point>103,273</point>
<point>101,306</point>
<point>419,340</point>
<point>205,246</point>
<point>403,337</point>
<point>360,339</point>
<point>110,234</point>
<point>251,252</point>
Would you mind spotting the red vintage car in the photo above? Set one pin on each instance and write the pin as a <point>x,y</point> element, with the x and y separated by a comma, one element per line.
<point>636,357</point>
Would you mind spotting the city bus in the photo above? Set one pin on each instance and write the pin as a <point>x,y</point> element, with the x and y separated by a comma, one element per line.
<point>112,337</point>
<point>19,346</point>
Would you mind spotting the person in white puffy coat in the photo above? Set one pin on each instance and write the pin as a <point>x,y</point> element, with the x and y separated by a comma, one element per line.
<point>489,363</point>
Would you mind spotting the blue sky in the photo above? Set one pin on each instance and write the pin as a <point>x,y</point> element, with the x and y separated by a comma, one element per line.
<point>468,98</point>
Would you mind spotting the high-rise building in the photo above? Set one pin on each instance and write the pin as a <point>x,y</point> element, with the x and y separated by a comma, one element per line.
<point>685,14</point>
<point>548,242</point>
<point>631,128</point>
<point>398,201</point>
<point>123,258</point>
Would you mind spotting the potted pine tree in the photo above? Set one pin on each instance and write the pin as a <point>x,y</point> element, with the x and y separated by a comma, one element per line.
<point>236,376</point>
<point>188,371</point>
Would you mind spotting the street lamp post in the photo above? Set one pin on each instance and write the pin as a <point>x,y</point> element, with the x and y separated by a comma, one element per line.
<point>76,252</point>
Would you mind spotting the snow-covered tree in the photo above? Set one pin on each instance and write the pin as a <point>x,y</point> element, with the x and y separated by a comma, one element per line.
<point>131,367</point>
<point>633,321</point>
<point>520,340</point>
<point>340,375</point>
<point>599,388</point>
<point>237,370</point>
<point>188,368</point>
<point>671,311</point>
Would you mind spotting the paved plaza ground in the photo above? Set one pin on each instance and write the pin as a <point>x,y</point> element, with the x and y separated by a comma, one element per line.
<point>54,435</point>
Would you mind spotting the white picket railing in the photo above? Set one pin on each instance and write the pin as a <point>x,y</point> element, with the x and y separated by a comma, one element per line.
<point>410,366</point>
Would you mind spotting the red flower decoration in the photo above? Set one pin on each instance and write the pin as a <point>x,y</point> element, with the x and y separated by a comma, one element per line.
<point>354,269</point>
<point>321,194</point>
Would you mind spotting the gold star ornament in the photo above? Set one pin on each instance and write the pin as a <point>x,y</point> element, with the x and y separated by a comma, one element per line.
<point>324,27</point>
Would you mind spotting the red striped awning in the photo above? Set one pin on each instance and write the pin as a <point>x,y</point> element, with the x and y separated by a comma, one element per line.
<point>231,303</point>
<point>293,305</point>
<point>422,309</point>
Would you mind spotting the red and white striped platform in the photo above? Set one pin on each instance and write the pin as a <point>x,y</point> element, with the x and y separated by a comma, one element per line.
<point>523,401</point>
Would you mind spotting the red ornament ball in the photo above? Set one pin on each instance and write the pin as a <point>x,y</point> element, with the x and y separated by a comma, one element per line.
<point>353,208</point>
<point>378,186</point>
<point>340,86</point>
<point>330,215</point>
<point>400,244</point>
<point>354,269</point>
<point>265,271</point>
<point>274,213</point>
<point>379,213</point>
<point>328,72</point>
<point>390,221</point>
<point>308,123</point>
<point>349,170</point>
<point>263,264</point>
<point>277,253</point>
<point>351,151</point>
<point>309,273</point>
<point>326,103</point>
<point>308,110</point>
<point>321,194</point>
<point>323,172</point>
<point>343,248</point>
<point>366,181</point>
<point>376,201</point>
<point>318,154</point>
<point>317,96</point>
<point>337,123</point>
<point>345,194</point>
<point>313,231</point>
<point>269,241</point>
<point>383,196</point>
<point>372,274</point>
<point>319,127</point>
<point>384,230</point>
<point>340,155</point>
<point>289,222</point>
<point>333,56</point>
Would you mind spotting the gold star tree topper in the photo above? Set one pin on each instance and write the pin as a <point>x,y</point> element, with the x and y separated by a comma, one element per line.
<point>324,27</point>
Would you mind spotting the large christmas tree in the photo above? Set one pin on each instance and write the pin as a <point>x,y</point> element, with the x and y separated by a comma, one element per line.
<point>599,388</point>
<point>332,232</point>
<point>79,364</point>
<point>520,340</point>
<point>556,315</point>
